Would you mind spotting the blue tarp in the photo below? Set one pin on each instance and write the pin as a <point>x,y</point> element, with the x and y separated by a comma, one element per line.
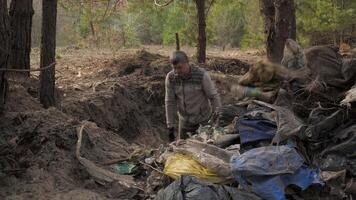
<point>251,130</point>
<point>273,187</point>
<point>269,160</point>
<point>267,171</point>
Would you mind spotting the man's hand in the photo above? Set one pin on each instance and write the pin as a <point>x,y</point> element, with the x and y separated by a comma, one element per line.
<point>171,134</point>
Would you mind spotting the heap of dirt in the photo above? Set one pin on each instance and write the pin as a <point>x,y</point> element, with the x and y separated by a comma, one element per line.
<point>227,66</point>
<point>125,96</point>
<point>37,153</point>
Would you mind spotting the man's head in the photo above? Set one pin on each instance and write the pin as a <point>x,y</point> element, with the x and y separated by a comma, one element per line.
<point>180,63</point>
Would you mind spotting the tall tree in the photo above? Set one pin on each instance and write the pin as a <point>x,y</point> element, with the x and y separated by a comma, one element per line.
<point>279,24</point>
<point>48,52</point>
<point>21,12</point>
<point>201,49</point>
<point>4,50</point>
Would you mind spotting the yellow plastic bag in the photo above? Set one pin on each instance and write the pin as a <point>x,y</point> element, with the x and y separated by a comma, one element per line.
<point>179,164</point>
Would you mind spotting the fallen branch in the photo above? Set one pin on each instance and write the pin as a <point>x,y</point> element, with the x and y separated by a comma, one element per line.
<point>28,70</point>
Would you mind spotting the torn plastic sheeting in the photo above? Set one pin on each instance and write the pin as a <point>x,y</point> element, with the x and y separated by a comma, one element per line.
<point>288,124</point>
<point>273,187</point>
<point>211,157</point>
<point>323,122</point>
<point>326,63</point>
<point>339,153</point>
<point>333,74</point>
<point>270,160</point>
<point>343,142</point>
<point>178,164</point>
<point>190,188</point>
<point>251,130</point>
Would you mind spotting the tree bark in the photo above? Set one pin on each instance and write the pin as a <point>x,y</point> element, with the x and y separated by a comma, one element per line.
<point>201,49</point>
<point>268,12</point>
<point>21,12</point>
<point>279,24</point>
<point>177,42</point>
<point>4,51</point>
<point>48,52</point>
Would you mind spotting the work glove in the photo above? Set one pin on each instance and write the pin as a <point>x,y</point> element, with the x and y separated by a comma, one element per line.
<point>171,134</point>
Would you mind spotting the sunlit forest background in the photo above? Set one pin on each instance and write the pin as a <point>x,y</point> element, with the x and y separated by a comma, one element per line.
<point>230,23</point>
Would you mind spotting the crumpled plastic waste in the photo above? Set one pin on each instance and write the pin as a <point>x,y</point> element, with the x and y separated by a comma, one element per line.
<point>179,164</point>
<point>209,156</point>
<point>267,171</point>
<point>270,160</point>
<point>251,130</point>
<point>125,168</point>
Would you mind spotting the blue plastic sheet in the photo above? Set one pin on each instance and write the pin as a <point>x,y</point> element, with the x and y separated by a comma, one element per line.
<point>267,171</point>
<point>273,187</point>
<point>252,130</point>
<point>269,160</point>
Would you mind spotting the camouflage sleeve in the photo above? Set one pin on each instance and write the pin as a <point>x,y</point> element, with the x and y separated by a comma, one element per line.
<point>211,91</point>
<point>170,104</point>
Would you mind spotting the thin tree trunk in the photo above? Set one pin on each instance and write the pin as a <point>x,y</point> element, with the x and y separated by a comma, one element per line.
<point>4,51</point>
<point>268,12</point>
<point>285,25</point>
<point>201,49</point>
<point>21,12</point>
<point>48,52</point>
<point>92,28</point>
<point>177,42</point>
<point>279,24</point>
<point>293,23</point>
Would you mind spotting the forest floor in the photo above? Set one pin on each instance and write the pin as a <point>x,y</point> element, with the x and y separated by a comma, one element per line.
<point>121,97</point>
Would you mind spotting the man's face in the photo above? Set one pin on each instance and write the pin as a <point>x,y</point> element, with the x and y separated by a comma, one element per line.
<point>181,68</point>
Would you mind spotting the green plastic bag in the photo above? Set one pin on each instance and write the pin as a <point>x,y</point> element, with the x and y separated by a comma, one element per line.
<point>125,168</point>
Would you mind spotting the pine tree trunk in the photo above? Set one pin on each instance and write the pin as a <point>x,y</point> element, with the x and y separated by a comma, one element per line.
<point>21,12</point>
<point>279,24</point>
<point>4,51</point>
<point>201,50</point>
<point>285,24</point>
<point>48,52</point>
<point>268,13</point>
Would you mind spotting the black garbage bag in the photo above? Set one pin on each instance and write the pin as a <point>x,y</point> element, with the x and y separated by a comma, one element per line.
<point>190,188</point>
<point>339,152</point>
<point>327,68</point>
<point>322,121</point>
<point>288,124</point>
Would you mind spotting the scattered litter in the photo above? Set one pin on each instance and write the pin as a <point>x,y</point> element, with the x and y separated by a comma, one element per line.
<point>125,168</point>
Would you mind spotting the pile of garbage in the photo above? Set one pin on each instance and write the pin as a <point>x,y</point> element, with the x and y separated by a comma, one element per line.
<point>291,135</point>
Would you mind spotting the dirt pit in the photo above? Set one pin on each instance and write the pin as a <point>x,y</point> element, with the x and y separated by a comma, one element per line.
<point>121,99</point>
